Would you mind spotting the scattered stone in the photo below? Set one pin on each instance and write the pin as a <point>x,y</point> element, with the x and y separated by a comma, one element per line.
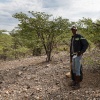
<point>68,75</point>
<point>45,81</point>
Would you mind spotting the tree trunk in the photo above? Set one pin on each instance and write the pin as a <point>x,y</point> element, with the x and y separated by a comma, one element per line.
<point>48,56</point>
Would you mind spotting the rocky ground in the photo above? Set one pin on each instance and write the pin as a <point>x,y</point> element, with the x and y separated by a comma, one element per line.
<point>35,79</point>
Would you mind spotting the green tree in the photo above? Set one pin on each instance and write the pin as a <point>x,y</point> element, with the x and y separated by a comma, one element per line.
<point>5,45</point>
<point>42,29</point>
<point>18,46</point>
<point>90,29</point>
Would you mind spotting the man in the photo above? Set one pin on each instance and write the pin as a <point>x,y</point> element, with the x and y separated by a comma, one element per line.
<point>78,46</point>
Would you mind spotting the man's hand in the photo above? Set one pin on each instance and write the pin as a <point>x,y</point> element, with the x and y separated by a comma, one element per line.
<point>79,53</point>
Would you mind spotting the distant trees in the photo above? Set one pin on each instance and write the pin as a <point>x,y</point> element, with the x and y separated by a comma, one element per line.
<point>5,45</point>
<point>18,47</point>
<point>90,29</point>
<point>38,31</point>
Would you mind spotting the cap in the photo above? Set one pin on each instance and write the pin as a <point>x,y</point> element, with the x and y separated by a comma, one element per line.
<point>74,27</point>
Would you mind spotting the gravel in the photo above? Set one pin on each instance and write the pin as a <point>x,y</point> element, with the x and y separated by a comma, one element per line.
<point>35,79</point>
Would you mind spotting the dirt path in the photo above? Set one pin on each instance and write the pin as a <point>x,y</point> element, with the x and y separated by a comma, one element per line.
<point>38,80</point>
<point>21,62</point>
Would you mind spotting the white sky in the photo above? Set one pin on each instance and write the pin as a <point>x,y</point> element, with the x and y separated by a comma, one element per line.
<point>69,9</point>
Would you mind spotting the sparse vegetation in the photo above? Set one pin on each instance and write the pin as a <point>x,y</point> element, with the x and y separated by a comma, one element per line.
<point>39,38</point>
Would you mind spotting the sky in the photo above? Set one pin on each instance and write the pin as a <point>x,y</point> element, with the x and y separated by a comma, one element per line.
<point>69,9</point>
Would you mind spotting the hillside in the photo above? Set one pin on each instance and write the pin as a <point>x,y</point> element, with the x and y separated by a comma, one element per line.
<point>34,79</point>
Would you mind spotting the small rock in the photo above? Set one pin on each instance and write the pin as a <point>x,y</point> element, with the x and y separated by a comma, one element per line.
<point>20,72</point>
<point>37,98</point>
<point>86,92</point>
<point>28,77</point>
<point>47,65</point>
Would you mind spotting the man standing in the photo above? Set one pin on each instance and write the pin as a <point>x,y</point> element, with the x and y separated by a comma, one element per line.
<point>78,46</point>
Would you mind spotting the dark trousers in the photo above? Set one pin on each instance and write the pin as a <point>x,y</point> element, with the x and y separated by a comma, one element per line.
<point>81,74</point>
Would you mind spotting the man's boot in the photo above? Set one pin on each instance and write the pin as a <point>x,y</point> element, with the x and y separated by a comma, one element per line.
<point>72,83</point>
<point>77,83</point>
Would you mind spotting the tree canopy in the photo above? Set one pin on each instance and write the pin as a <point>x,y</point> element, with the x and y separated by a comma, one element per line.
<point>38,31</point>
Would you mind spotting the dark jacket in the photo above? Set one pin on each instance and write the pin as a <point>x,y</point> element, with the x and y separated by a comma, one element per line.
<point>80,44</point>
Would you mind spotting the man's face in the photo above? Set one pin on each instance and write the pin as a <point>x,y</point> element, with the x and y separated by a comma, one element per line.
<point>73,31</point>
